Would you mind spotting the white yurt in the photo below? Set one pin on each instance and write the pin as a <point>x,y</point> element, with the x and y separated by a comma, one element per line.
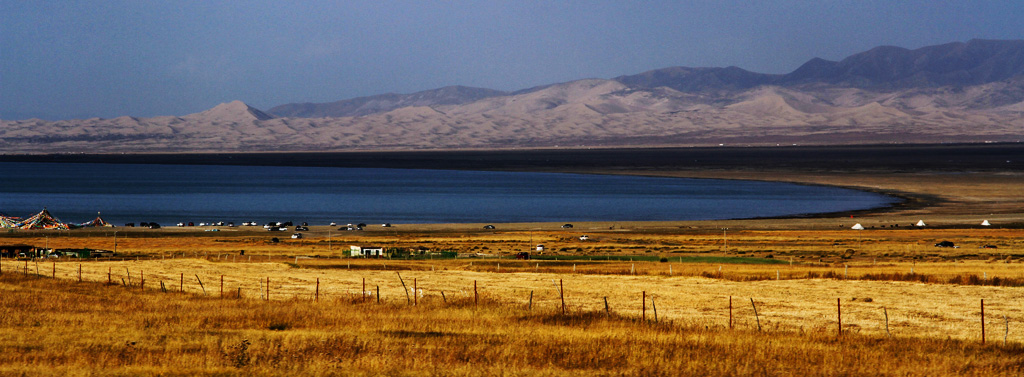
<point>857,226</point>
<point>920,223</point>
<point>985,223</point>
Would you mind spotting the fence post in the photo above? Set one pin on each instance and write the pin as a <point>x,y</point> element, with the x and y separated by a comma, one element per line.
<point>643,307</point>
<point>530,306</point>
<point>561,294</point>
<point>79,272</point>
<point>362,294</point>
<point>222,286</point>
<point>316,296</point>
<point>54,269</point>
<point>982,321</point>
<point>378,294</point>
<point>268,288</point>
<point>415,300</point>
<point>886,312</point>
<point>201,284</point>
<point>108,275</point>
<point>607,311</point>
<point>655,307</point>
<point>404,288</point>
<point>758,319</point>
<point>476,296</point>
<point>181,286</point>
<point>730,312</point>
<point>839,316</point>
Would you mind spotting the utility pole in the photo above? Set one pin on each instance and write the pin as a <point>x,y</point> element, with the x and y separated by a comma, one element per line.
<point>725,238</point>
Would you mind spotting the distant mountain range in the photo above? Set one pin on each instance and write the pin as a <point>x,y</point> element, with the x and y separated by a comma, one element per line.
<point>956,92</point>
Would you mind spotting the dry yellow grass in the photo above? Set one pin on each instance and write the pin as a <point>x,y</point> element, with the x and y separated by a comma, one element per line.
<point>60,327</point>
<point>792,303</point>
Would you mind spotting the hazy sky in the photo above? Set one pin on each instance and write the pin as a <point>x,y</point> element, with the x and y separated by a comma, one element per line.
<point>78,59</point>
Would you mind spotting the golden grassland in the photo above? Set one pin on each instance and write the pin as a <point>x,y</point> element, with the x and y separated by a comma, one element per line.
<point>60,326</point>
<point>908,308</point>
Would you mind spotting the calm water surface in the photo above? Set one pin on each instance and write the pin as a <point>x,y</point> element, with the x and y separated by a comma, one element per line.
<point>169,194</point>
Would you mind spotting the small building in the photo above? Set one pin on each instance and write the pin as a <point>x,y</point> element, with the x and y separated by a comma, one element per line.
<point>13,251</point>
<point>366,251</point>
<point>540,247</point>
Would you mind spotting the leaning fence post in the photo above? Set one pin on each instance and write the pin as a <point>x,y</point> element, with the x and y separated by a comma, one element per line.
<point>607,311</point>
<point>404,288</point>
<point>201,284</point>
<point>530,306</point>
<point>316,296</point>
<point>1007,333</point>
<point>887,333</point>
<point>561,294</point>
<point>655,307</point>
<point>758,319</point>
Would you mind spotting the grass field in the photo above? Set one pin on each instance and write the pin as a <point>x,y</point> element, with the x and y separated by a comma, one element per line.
<point>640,298</point>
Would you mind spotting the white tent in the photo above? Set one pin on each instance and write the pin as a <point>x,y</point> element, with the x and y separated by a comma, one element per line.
<point>985,223</point>
<point>857,227</point>
<point>920,223</point>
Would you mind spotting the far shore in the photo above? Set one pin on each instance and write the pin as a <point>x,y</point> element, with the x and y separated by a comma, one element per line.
<point>945,185</point>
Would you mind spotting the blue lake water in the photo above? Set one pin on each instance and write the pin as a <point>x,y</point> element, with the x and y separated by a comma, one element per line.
<point>169,194</point>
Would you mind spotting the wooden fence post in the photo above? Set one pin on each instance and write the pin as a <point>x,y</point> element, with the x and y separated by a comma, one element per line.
<point>730,312</point>
<point>982,321</point>
<point>886,313</point>
<point>415,300</point>
<point>316,296</point>
<point>222,286</point>
<point>362,294</point>
<point>54,269</point>
<point>404,288</point>
<point>758,319</point>
<point>181,286</point>
<point>643,307</point>
<point>201,284</point>
<point>655,307</point>
<point>79,272</point>
<point>530,306</point>
<point>108,275</point>
<point>378,294</point>
<point>268,288</point>
<point>476,296</point>
<point>607,311</point>
<point>839,317</point>
<point>561,294</point>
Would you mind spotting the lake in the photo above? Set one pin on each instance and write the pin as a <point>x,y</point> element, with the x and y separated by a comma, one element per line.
<point>169,194</point>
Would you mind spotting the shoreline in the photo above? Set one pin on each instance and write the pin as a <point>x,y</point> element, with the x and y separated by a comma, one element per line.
<point>923,178</point>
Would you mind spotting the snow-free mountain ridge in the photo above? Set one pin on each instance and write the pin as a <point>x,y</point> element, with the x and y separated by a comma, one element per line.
<point>956,92</point>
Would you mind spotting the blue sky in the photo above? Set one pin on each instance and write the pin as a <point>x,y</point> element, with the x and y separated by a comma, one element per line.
<point>80,59</point>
